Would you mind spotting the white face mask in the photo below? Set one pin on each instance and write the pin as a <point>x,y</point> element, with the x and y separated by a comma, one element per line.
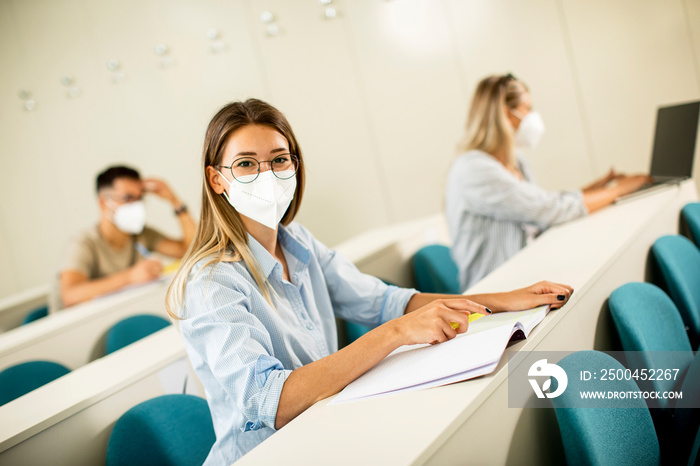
<point>530,130</point>
<point>265,199</point>
<point>130,218</point>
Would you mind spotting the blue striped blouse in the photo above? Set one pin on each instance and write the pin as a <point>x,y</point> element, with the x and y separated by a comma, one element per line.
<point>243,350</point>
<point>490,211</point>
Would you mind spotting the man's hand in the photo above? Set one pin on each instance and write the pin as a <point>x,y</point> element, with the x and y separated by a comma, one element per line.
<point>145,271</point>
<point>161,189</point>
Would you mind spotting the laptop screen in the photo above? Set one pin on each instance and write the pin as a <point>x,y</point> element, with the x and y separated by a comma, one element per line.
<point>674,141</point>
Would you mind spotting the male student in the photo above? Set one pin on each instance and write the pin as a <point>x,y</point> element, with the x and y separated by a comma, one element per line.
<point>116,252</point>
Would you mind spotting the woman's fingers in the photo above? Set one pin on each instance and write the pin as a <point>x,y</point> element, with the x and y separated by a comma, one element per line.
<point>436,322</point>
<point>551,287</point>
<point>567,287</point>
<point>443,332</point>
<point>557,300</point>
<point>466,305</point>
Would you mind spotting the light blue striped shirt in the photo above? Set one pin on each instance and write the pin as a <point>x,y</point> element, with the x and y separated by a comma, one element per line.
<point>243,350</point>
<point>489,212</point>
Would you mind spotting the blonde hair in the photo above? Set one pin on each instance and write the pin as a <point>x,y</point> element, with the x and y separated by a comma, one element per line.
<point>221,235</point>
<point>487,128</point>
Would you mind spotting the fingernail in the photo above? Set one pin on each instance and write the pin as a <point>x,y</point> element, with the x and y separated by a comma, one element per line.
<point>488,310</point>
<point>561,297</point>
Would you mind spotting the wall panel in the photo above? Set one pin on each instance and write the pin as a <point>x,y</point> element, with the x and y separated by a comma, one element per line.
<point>526,38</point>
<point>631,57</point>
<point>313,80</point>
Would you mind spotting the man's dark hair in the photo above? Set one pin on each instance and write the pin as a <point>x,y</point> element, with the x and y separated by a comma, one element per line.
<point>107,177</point>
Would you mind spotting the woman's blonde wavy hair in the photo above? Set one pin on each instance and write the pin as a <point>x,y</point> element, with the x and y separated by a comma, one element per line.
<point>221,235</point>
<point>488,129</point>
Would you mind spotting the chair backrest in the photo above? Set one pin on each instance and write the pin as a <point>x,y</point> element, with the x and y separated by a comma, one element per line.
<point>173,430</point>
<point>691,215</point>
<point>22,378</point>
<point>678,260</point>
<point>131,329</point>
<point>353,330</point>
<point>435,271</point>
<point>694,459</point>
<point>36,314</point>
<point>649,324</point>
<point>686,415</point>
<point>615,431</point>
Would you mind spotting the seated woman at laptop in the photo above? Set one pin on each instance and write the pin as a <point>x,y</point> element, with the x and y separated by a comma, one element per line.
<point>257,294</point>
<point>493,204</point>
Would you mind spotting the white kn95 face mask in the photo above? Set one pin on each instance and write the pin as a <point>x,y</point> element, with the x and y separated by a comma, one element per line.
<point>265,199</point>
<point>130,218</point>
<point>530,130</point>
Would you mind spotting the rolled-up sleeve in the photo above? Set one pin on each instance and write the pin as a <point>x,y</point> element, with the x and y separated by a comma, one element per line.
<point>237,347</point>
<point>489,190</point>
<point>356,296</point>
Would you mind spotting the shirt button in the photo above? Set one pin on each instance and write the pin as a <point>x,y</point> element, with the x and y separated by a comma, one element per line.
<point>309,326</point>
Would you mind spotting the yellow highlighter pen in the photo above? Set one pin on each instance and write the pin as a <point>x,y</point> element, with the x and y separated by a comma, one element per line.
<point>472,317</point>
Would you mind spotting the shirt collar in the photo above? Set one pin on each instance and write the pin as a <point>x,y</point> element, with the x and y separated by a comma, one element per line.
<point>268,263</point>
<point>265,260</point>
<point>293,245</point>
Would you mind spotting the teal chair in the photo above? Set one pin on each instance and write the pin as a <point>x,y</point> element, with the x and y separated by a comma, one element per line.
<point>131,329</point>
<point>36,315</point>
<point>691,214</point>
<point>22,378</point>
<point>649,324</point>
<point>354,331</point>
<point>694,459</point>
<point>435,271</point>
<point>678,262</point>
<point>686,415</point>
<point>607,431</point>
<point>651,328</point>
<point>171,430</point>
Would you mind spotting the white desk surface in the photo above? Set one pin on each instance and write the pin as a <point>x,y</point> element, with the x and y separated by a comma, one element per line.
<point>13,309</point>
<point>86,386</point>
<point>147,298</point>
<point>410,428</point>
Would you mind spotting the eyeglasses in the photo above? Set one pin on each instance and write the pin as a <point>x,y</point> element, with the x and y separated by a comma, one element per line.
<point>247,169</point>
<point>124,199</point>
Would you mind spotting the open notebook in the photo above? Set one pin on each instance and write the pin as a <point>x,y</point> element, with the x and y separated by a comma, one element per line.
<point>466,356</point>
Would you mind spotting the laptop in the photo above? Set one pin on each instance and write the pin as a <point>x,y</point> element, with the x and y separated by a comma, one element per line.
<point>674,146</point>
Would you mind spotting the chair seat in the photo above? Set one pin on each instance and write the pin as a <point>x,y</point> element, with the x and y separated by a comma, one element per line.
<point>610,431</point>
<point>678,263</point>
<point>132,329</point>
<point>172,430</point>
<point>22,378</point>
<point>435,271</point>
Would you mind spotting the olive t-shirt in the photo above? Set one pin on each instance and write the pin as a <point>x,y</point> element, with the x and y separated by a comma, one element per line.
<point>89,253</point>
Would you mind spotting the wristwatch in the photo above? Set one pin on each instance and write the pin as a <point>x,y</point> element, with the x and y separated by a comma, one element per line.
<point>180,210</point>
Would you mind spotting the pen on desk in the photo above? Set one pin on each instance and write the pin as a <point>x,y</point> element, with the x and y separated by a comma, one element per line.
<point>145,253</point>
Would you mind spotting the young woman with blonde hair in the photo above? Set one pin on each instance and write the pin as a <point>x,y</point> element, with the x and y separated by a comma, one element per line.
<point>492,204</point>
<point>257,294</point>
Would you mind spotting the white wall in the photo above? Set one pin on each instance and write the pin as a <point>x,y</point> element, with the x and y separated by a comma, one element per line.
<point>377,97</point>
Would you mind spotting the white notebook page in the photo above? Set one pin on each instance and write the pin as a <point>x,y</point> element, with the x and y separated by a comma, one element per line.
<point>468,355</point>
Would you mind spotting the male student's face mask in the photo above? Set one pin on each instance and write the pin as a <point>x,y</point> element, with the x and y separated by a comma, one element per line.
<point>265,199</point>
<point>130,218</point>
<point>530,130</point>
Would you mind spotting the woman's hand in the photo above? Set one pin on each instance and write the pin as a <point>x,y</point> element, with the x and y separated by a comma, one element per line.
<point>629,184</point>
<point>612,175</point>
<point>535,295</point>
<point>431,323</point>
